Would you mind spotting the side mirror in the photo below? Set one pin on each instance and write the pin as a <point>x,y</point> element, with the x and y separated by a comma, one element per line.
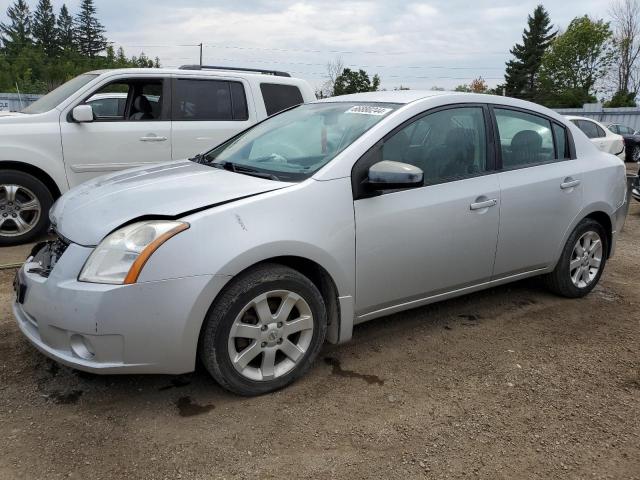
<point>390,175</point>
<point>82,114</point>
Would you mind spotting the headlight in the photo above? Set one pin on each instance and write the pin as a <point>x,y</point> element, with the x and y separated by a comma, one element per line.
<point>119,258</point>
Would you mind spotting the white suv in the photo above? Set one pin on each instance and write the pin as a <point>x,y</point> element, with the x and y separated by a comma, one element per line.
<point>110,120</point>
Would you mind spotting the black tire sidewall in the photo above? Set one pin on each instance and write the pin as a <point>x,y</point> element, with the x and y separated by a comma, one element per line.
<point>8,177</point>
<point>221,317</point>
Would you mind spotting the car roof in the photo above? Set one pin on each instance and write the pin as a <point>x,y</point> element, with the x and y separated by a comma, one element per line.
<point>393,96</point>
<point>188,72</point>
<point>576,117</point>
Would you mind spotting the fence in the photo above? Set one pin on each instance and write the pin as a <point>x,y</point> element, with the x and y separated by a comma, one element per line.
<point>629,116</point>
<point>14,102</point>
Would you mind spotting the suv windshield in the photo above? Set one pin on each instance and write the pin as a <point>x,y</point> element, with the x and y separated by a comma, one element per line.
<point>293,145</point>
<point>56,97</point>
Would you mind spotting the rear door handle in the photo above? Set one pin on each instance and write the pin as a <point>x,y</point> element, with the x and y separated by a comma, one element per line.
<point>569,184</point>
<point>153,138</point>
<point>485,204</point>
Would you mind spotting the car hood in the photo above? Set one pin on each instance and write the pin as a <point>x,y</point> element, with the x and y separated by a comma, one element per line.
<point>88,212</point>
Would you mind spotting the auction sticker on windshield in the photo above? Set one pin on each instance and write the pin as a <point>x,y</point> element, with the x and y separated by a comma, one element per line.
<point>368,110</point>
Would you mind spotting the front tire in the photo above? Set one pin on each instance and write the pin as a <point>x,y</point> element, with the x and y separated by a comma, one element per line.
<point>582,261</point>
<point>24,207</point>
<point>264,331</point>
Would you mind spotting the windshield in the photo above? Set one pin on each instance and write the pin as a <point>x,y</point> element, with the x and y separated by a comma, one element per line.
<point>293,145</point>
<point>55,97</point>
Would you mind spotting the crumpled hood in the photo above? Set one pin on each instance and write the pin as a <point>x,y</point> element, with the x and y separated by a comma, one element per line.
<point>87,213</point>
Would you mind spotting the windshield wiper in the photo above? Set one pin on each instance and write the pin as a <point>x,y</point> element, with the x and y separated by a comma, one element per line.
<point>243,169</point>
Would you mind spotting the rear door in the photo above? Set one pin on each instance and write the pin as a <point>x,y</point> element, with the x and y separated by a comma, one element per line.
<point>136,135</point>
<point>540,190</point>
<point>207,111</point>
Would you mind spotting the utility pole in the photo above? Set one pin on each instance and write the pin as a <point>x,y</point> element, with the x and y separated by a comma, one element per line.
<point>201,54</point>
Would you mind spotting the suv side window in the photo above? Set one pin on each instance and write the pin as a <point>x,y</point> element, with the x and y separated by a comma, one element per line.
<point>279,97</point>
<point>525,138</point>
<point>446,145</point>
<point>129,100</point>
<point>590,129</point>
<point>208,100</point>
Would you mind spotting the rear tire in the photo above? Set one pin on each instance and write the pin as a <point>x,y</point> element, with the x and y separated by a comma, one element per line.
<point>24,207</point>
<point>264,331</point>
<point>582,261</point>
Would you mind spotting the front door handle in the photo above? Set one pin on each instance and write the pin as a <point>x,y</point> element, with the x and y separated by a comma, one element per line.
<point>569,183</point>
<point>152,138</point>
<point>484,204</point>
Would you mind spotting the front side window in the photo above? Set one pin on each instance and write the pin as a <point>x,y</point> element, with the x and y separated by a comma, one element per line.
<point>128,100</point>
<point>525,139</point>
<point>624,130</point>
<point>279,97</point>
<point>293,145</point>
<point>208,100</point>
<point>445,145</point>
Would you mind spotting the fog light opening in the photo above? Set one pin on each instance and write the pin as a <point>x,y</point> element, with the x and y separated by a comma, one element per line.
<point>81,347</point>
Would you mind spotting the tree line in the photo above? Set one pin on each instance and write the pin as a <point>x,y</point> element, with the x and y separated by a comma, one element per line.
<point>41,50</point>
<point>591,60</point>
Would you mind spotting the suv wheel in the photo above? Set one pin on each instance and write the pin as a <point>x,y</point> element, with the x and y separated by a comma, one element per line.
<point>582,261</point>
<point>264,331</point>
<point>24,207</point>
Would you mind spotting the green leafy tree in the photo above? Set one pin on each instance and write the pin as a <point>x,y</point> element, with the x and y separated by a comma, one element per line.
<point>65,31</point>
<point>16,33</point>
<point>575,62</point>
<point>521,76</point>
<point>350,81</point>
<point>89,31</point>
<point>44,28</point>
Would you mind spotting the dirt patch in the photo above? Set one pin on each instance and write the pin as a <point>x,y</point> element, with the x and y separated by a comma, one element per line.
<point>511,382</point>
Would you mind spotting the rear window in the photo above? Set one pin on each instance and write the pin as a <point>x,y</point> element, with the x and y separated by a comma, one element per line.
<point>208,100</point>
<point>280,97</point>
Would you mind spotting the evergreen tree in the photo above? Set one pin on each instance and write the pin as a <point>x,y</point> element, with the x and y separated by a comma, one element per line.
<point>89,31</point>
<point>44,28</point>
<point>65,31</point>
<point>16,34</point>
<point>521,75</point>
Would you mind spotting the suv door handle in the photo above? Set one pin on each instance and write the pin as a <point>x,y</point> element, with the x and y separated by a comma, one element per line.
<point>569,183</point>
<point>485,204</point>
<point>153,138</point>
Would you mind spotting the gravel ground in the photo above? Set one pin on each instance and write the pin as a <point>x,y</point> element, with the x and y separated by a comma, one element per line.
<point>508,383</point>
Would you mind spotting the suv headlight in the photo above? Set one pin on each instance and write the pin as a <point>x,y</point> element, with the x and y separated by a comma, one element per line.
<point>119,258</point>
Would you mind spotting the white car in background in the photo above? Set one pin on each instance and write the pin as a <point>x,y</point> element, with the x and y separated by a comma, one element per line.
<point>600,136</point>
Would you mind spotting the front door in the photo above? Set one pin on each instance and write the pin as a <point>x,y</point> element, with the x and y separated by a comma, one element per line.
<point>411,244</point>
<point>131,128</point>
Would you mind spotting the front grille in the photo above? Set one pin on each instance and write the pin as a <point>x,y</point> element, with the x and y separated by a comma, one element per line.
<point>47,254</point>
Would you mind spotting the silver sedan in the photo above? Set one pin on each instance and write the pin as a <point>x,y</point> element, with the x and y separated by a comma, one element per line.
<point>329,214</point>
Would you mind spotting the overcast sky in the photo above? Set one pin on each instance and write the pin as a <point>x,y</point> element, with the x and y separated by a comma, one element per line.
<point>416,44</point>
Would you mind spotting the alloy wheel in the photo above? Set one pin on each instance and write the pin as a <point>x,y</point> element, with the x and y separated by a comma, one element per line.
<point>20,210</point>
<point>586,259</point>
<point>270,335</point>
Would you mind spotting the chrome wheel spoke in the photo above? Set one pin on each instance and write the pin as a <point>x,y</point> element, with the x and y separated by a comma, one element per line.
<point>31,205</point>
<point>304,322</point>
<point>575,264</point>
<point>291,350</point>
<point>268,365</point>
<point>596,245</point>
<point>595,262</point>
<point>21,225</point>
<point>261,305</point>
<point>10,193</point>
<point>244,330</point>
<point>286,306</point>
<point>243,358</point>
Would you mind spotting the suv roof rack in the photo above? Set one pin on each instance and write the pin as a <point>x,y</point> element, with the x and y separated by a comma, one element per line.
<point>237,69</point>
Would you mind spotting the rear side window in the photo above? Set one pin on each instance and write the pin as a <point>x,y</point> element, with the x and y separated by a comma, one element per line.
<point>208,100</point>
<point>280,97</point>
<point>525,139</point>
<point>562,145</point>
<point>590,129</point>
